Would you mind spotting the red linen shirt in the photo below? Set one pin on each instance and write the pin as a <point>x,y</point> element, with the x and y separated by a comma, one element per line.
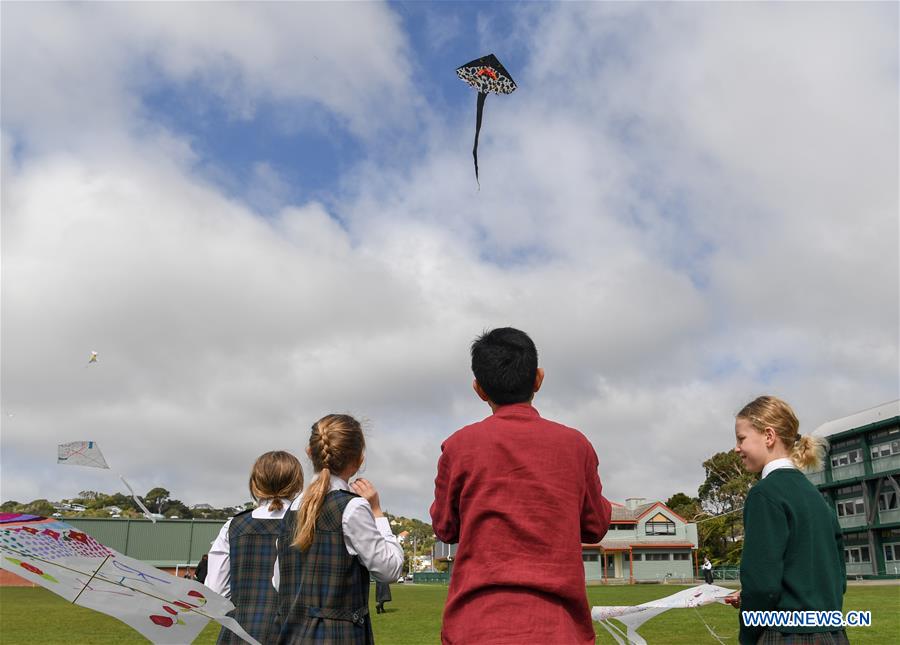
<point>520,494</point>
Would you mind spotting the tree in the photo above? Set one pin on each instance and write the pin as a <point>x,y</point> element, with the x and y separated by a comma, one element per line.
<point>88,495</point>
<point>39,507</point>
<point>176,507</point>
<point>9,507</point>
<point>721,497</point>
<point>687,507</point>
<point>155,498</point>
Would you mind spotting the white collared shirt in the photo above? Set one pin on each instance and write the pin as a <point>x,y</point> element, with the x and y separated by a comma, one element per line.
<point>775,464</point>
<point>366,536</point>
<point>218,576</point>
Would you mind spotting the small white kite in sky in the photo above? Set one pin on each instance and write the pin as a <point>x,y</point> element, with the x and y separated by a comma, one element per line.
<point>636,615</point>
<point>87,453</point>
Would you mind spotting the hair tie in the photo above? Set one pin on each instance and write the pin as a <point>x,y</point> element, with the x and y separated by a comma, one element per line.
<point>797,438</point>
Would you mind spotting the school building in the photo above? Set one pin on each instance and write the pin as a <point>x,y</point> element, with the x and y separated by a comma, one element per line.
<point>861,480</point>
<point>646,542</point>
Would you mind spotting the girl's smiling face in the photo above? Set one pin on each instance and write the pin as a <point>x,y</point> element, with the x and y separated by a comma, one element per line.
<point>751,445</point>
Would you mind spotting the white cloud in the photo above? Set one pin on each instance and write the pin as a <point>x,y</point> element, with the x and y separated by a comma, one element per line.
<point>694,206</point>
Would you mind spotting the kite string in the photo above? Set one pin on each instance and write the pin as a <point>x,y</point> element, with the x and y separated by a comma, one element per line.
<point>708,628</point>
<point>717,516</point>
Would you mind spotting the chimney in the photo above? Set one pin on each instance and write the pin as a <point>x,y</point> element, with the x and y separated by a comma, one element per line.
<point>632,503</point>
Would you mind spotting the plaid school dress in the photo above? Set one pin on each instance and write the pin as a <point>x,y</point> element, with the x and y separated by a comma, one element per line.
<point>251,557</point>
<point>324,591</point>
<point>771,637</point>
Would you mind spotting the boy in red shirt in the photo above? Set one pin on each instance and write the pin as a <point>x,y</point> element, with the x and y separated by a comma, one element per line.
<point>520,494</point>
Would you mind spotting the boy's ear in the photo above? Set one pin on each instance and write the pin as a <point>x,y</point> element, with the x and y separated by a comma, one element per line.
<point>538,379</point>
<point>479,391</point>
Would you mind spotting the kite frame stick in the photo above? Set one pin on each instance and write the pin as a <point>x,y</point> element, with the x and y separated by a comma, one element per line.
<point>88,583</point>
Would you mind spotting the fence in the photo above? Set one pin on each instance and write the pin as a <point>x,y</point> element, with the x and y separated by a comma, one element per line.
<point>726,573</point>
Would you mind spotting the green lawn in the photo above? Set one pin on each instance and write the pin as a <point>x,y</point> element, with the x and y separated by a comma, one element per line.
<point>414,617</point>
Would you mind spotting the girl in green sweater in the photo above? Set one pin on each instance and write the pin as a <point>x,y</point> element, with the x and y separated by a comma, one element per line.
<point>793,557</point>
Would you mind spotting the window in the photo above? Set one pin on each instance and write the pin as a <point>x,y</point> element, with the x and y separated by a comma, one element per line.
<point>886,449</point>
<point>621,527</point>
<point>887,501</point>
<point>848,490</point>
<point>851,507</point>
<point>659,524</point>
<point>681,556</point>
<point>892,552</point>
<point>658,556</point>
<point>884,433</point>
<point>589,557</point>
<point>637,557</point>
<point>846,458</point>
<point>857,555</point>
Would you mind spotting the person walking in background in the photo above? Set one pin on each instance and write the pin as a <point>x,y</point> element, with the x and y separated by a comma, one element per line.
<point>382,595</point>
<point>707,570</point>
<point>520,494</point>
<point>200,571</point>
<point>328,548</point>
<point>242,555</point>
<point>793,555</point>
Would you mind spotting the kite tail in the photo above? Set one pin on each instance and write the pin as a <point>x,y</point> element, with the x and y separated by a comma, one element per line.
<point>480,109</point>
<point>147,512</point>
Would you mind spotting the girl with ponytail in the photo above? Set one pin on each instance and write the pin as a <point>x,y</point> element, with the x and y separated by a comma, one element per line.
<point>793,556</point>
<point>241,557</point>
<point>332,543</point>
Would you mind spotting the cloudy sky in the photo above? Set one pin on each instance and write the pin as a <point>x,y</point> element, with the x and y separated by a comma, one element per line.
<point>261,213</point>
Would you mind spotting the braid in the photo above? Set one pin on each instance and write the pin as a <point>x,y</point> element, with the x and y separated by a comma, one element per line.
<point>336,442</point>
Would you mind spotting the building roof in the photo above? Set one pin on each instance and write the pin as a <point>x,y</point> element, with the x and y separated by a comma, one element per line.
<point>624,514</point>
<point>624,545</point>
<point>879,413</point>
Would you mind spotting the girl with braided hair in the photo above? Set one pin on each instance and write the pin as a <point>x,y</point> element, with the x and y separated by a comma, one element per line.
<point>793,556</point>
<point>330,546</point>
<point>242,555</point>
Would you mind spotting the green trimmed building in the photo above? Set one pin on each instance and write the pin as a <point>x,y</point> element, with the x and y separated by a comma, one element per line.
<point>861,480</point>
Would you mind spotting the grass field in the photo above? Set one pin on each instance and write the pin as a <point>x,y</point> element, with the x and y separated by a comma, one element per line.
<point>34,615</point>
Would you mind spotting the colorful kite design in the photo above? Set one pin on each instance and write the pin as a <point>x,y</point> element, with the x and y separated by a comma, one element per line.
<point>485,74</point>
<point>87,453</point>
<point>636,615</point>
<point>72,564</point>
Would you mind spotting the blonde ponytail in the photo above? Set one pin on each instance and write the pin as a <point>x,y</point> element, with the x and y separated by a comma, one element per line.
<point>309,510</point>
<point>335,444</point>
<point>808,452</point>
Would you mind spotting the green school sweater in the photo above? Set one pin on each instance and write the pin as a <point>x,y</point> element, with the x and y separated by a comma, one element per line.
<point>793,556</point>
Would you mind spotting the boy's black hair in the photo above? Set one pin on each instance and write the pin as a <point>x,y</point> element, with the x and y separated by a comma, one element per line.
<point>505,362</point>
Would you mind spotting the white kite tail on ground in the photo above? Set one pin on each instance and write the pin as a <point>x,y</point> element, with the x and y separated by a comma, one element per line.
<point>633,616</point>
<point>72,564</point>
<point>87,453</point>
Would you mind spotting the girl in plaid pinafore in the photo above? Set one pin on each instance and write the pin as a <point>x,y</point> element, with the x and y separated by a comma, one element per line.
<point>242,556</point>
<point>328,548</point>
